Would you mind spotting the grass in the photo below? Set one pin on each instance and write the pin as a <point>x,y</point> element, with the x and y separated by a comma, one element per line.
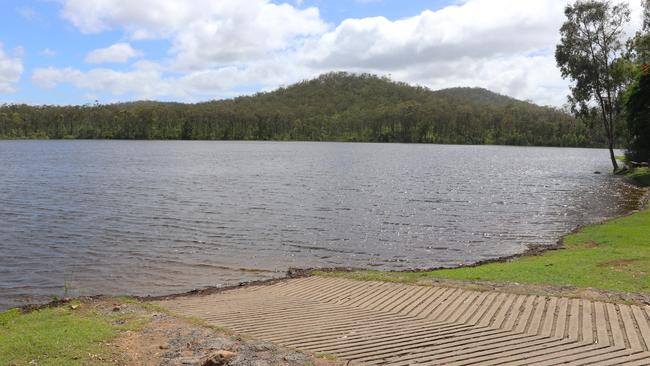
<point>71,334</point>
<point>612,256</point>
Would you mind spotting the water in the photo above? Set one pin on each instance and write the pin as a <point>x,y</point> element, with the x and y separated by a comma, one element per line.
<point>138,217</point>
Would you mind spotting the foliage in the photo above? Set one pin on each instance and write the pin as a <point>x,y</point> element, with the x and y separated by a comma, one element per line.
<point>591,54</point>
<point>638,119</point>
<point>637,99</point>
<point>611,256</point>
<point>54,336</point>
<point>335,106</point>
<point>639,46</point>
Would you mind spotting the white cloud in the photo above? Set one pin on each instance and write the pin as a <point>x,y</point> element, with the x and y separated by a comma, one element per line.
<point>48,78</point>
<point>148,80</point>
<point>142,83</point>
<point>243,35</point>
<point>477,29</point>
<point>11,68</point>
<point>203,32</point>
<point>117,53</point>
<point>220,47</point>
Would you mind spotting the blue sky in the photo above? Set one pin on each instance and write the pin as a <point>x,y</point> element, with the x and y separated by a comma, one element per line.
<point>78,51</point>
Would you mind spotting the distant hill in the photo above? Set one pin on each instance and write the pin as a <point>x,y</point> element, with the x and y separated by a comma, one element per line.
<point>333,107</point>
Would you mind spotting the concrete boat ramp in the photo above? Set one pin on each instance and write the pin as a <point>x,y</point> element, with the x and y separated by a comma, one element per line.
<point>376,323</point>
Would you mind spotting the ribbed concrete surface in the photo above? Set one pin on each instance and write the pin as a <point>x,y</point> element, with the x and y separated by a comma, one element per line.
<point>373,323</point>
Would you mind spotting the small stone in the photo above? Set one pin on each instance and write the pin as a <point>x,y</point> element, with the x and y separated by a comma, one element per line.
<point>193,361</point>
<point>163,346</point>
<point>219,358</point>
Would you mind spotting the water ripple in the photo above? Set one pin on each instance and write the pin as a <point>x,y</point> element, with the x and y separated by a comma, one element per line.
<point>130,217</point>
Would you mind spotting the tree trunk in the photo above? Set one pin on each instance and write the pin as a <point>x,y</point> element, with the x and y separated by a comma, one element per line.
<point>609,129</point>
<point>612,156</point>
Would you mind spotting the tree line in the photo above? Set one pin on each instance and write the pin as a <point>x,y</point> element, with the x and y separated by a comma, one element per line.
<point>333,107</point>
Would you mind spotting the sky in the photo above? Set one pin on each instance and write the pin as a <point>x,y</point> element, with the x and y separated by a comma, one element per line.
<point>83,51</point>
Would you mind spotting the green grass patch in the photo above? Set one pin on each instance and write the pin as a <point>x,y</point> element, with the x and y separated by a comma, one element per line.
<point>65,335</point>
<point>612,256</point>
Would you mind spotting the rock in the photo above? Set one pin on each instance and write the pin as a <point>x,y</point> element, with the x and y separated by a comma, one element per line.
<point>163,346</point>
<point>597,172</point>
<point>219,358</point>
<point>298,359</point>
<point>218,344</point>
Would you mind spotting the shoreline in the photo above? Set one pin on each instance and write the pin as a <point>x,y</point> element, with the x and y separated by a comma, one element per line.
<point>315,141</point>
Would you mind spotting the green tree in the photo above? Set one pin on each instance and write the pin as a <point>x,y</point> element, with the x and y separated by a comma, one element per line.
<point>638,119</point>
<point>590,53</point>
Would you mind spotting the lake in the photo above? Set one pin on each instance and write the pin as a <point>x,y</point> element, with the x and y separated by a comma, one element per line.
<point>160,217</point>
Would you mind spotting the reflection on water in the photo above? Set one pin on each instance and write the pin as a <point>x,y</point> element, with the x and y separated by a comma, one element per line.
<point>134,217</point>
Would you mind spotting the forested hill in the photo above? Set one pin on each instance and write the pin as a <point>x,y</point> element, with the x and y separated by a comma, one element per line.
<point>335,106</point>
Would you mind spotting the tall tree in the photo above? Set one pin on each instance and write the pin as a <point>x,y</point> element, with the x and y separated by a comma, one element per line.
<point>638,96</point>
<point>590,53</point>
